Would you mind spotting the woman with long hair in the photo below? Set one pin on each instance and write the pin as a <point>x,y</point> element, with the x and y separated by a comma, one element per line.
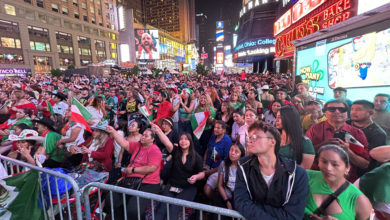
<point>235,100</point>
<point>270,115</point>
<point>185,171</point>
<point>18,101</point>
<point>253,103</point>
<point>294,145</point>
<point>212,92</point>
<point>351,203</point>
<point>99,146</point>
<point>226,115</point>
<point>227,175</point>
<point>97,110</point>
<point>205,104</point>
<point>135,130</point>
<point>185,107</point>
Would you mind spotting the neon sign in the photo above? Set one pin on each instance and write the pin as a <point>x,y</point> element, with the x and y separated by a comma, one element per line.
<point>294,14</point>
<point>253,43</point>
<point>336,13</point>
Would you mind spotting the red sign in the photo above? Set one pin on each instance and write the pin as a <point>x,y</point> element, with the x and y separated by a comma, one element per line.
<point>339,11</point>
<point>298,11</point>
<point>204,56</point>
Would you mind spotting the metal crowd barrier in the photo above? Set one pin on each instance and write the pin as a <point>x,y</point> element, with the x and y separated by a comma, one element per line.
<point>59,206</point>
<point>152,197</point>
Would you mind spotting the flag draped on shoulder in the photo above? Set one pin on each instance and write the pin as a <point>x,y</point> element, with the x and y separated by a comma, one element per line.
<point>19,197</point>
<point>77,117</point>
<point>146,112</point>
<point>198,122</point>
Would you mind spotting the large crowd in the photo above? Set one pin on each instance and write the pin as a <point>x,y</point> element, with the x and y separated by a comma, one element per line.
<point>266,147</point>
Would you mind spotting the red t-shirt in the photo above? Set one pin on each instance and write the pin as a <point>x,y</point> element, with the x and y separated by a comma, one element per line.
<point>27,105</point>
<point>147,156</point>
<point>164,111</point>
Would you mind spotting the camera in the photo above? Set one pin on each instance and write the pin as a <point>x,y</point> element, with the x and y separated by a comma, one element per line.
<point>340,135</point>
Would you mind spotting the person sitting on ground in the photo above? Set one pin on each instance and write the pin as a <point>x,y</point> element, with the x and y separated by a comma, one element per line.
<point>99,147</point>
<point>54,155</point>
<point>351,203</point>
<point>294,145</point>
<point>28,150</point>
<point>269,186</point>
<point>186,170</point>
<point>227,176</point>
<point>217,151</point>
<point>146,164</point>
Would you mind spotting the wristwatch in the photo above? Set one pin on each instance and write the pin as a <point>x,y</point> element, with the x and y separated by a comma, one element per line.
<point>132,170</point>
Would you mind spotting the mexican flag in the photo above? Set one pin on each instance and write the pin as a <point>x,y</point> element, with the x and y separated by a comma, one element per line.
<point>84,112</point>
<point>354,144</point>
<point>146,112</point>
<point>198,122</point>
<point>19,197</point>
<point>77,117</point>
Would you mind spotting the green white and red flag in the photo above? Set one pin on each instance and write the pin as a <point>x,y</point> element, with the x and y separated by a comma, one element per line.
<point>198,122</point>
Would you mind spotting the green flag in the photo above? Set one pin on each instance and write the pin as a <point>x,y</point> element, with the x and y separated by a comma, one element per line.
<point>20,195</point>
<point>50,107</point>
<point>84,112</point>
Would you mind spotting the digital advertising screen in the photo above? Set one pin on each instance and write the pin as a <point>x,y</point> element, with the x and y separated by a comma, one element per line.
<point>220,37</point>
<point>147,44</point>
<point>361,64</point>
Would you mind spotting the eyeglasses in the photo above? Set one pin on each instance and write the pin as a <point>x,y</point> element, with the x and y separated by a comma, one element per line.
<point>333,109</point>
<point>254,138</point>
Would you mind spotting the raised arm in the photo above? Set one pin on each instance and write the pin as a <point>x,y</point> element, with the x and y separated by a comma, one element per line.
<point>118,138</point>
<point>163,138</point>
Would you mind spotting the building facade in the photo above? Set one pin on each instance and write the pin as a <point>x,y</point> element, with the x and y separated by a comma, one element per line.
<point>40,35</point>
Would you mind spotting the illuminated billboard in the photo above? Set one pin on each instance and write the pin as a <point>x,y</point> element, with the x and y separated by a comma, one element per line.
<point>220,58</point>
<point>220,36</point>
<point>359,63</point>
<point>219,24</point>
<point>287,29</point>
<point>147,44</point>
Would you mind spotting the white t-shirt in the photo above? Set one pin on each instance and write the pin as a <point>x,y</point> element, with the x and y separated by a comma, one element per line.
<point>232,178</point>
<point>80,138</point>
<point>268,179</point>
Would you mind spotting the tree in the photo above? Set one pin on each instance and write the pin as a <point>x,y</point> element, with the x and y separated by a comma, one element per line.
<point>156,71</point>
<point>56,72</point>
<point>70,67</point>
<point>135,71</point>
<point>201,69</point>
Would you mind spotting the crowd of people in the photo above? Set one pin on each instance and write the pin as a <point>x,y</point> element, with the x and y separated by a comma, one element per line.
<point>267,148</point>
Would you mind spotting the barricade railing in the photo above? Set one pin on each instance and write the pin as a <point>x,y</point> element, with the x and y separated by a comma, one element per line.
<point>59,207</point>
<point>202,208</point>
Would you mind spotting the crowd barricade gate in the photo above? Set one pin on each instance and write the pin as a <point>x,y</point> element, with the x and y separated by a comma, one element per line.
<point>58,208</point>
<point>202,208</point>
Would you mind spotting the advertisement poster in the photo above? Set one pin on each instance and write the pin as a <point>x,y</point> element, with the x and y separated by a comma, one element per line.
<point>361,64</point>
<point>147,44</point>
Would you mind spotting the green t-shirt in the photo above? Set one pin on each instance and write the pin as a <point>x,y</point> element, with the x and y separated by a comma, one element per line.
<point>308,148</point>
<point>51,149</point>
<point>347,199</point>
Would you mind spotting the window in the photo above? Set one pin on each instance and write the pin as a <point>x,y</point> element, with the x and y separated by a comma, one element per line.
<point>27,1</point>
<point>113,36</point>
<point>93,20</point>
<point>54,7</point>
<point>114,55</point>
<point>9,9</point>
<point>113,46</point>
<point>10,42</point>
<point>11,58</point>
<point>99,12</point>
<point>112,27</point>
<point>92,9</point>
<point>68,24</point>
<point>85,18</point>
<point>101,23</point>
<point>75,2</point>
<point>87,30</point>
<point>42,18</point>
<point>65,11</point>
<point>39,46</point>
<point>77,15</point>
<point>55,21</point>
<point>107,6</point>
<point>78,27</point>
<point>95,32</point>
<point>84,5</point>
<point>84,40</point>
<point>85,62</point>
<point>64,49</point>
<point>40,3</point>
<point>84,51</point>
<point>99,43</point>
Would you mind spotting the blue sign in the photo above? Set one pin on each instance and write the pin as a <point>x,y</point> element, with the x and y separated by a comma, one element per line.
<point>219,24</point>
<point>255,43</point>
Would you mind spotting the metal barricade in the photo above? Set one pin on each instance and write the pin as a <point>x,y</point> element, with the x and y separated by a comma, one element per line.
<point>59,206</point>
<point>202,208</point>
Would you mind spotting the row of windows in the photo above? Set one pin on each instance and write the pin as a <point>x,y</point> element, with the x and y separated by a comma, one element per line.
<point>11,10</point>
<point>10,42</point>
<point>11,58</point>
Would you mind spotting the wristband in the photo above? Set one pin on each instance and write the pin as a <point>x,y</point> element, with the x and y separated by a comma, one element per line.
<point>132,170</point>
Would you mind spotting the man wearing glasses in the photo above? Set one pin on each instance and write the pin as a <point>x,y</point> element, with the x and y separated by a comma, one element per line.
<point>269,186</point>
<point>334,131</point>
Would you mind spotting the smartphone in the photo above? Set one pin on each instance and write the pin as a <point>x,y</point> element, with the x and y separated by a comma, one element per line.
<point>340,135</point>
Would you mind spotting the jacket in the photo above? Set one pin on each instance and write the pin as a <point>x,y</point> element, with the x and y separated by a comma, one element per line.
<point>295,189</point>
<point>102,155</point>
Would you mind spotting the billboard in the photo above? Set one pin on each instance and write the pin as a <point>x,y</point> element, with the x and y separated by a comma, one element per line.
<point>219,24</point>
<point>220,58</point>
<point>359,63</point>
<point>147,44</point>
<point>220,37</point>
